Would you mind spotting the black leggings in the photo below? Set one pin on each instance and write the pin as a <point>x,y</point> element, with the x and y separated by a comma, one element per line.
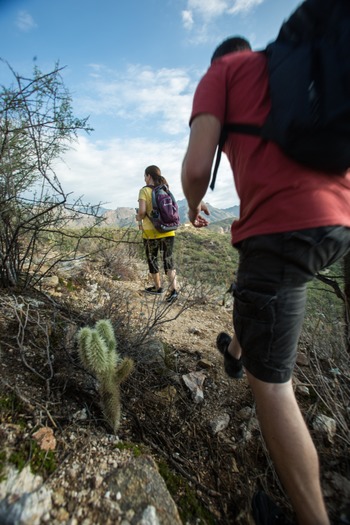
<point>166,246</point>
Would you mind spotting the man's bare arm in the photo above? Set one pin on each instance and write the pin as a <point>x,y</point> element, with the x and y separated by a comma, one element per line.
<point>197,164</point>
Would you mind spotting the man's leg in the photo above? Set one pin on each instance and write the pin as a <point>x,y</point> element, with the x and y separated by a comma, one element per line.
<point>291,448</point>
<point>269,306</point>
<point>234,348</point>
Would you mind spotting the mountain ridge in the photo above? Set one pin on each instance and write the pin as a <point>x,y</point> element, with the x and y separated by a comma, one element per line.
<point>125,216</point>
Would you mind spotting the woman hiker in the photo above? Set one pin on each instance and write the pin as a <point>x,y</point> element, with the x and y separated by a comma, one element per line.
<point>156,242</point>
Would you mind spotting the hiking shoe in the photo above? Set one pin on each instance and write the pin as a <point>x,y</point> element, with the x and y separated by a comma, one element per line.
<point>266,512</point>
<point>233,367</point>
<point>154,291</point>
<point>172,296</point>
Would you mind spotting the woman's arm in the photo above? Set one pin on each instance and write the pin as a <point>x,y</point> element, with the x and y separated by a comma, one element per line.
<point>142,210</point>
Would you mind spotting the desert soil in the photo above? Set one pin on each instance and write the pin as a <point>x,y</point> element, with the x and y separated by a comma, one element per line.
<point>222,467</point>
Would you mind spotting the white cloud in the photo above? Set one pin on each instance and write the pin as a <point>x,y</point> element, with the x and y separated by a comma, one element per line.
<point>243,6</point>
<point>25,21</point>
<point>208,10</point>
<point>154,106</point>
<point>187,19</point>
<point>140,94</point>
<point>112,172</point>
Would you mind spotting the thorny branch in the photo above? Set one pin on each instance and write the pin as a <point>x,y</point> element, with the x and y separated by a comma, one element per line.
<point>29,319</point>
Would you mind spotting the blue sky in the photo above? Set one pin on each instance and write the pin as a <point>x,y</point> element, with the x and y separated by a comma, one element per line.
<point>131,66</point>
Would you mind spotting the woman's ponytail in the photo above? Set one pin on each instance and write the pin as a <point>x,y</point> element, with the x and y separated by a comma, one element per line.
<point>156,175</point>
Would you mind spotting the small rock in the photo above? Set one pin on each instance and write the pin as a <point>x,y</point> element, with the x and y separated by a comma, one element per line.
<point>97,481</point>
<point>45,438</point>
<point>62,515</point>
<point>246,434</point>
<point>22,501</point>
<point>245,413</point>
<point>253,424</point>
<point>234,468</point>
<point>51,282</point>
<point>168,394</point>
<point>58,497</point>
<point>80,415</point>
<point>204,363</point>
<point>219,423</point>
<point>325,425</point>
<point>194,381</point>
<point>302,360</point>
<point>73,472</point>
<point>149,516</point>
<point>304,390</point>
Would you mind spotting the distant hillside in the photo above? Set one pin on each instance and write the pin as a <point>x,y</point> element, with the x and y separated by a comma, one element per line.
<point>125,217</point>
<point>223,226</point>
<point>216,214</point>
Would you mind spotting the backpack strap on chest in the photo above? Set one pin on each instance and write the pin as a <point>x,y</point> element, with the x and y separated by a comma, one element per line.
<point>247,129</point>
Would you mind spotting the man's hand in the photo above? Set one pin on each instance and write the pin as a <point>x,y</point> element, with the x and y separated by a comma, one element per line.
<point>196,219</point>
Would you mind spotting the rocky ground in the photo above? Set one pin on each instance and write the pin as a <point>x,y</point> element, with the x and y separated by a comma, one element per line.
<point>179,408</point>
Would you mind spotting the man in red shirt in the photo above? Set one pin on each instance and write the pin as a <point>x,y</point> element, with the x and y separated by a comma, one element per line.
<point>293,222</point>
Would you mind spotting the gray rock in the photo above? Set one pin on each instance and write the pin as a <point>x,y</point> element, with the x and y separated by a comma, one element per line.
<point>142,488</point>
<point>326,426</point>
<point>194,382</point>
<point>220,423</point>
<point>23,498</point>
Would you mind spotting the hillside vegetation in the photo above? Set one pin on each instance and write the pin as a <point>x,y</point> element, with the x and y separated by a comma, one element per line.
<point>210,473</point>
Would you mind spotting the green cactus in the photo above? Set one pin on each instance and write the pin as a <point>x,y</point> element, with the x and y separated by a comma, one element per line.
<point>104,329</point>
<point>98,353</point>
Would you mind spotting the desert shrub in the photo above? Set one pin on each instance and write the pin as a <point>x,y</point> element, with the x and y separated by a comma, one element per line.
<point>205,255</point>
<point>37,126</point>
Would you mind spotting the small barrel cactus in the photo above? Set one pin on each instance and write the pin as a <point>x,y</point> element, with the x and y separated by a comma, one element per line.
<point>98,353</point>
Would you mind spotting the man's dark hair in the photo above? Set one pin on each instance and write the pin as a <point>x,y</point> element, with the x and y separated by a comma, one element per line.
<point>230,45</point>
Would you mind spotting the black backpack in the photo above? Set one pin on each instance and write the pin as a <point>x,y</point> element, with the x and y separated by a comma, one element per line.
<point>165,211</point>
<point>309,81</point>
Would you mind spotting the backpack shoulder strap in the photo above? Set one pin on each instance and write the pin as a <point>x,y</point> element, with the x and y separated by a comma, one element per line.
<point>222,139</point>
<point>247,129</point>
<point>152,197</point>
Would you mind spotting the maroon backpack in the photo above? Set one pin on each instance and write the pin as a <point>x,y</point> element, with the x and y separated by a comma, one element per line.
<point>165,211</point>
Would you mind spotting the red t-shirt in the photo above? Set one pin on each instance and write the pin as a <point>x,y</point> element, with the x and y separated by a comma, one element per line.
<point>276,194</point>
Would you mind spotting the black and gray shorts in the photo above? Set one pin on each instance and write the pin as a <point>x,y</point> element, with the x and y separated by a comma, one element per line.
<point>270,294</point>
